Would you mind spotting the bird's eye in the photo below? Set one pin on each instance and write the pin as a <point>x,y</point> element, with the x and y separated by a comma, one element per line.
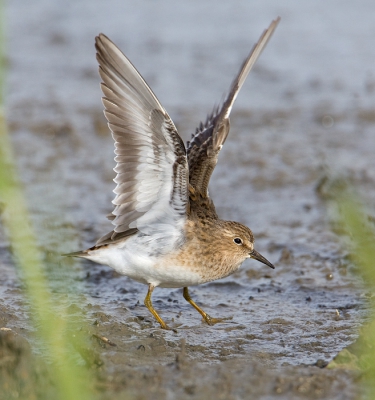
<point>237,240</point>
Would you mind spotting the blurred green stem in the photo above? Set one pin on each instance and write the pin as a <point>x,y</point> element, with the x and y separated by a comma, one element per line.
<point>362,240</point>
<point>71,380</point>
<point>51,327</point>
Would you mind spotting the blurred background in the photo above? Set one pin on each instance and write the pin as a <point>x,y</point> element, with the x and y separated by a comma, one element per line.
<point>188,52</point>
<point>318,68</point>
<point>306,114</point>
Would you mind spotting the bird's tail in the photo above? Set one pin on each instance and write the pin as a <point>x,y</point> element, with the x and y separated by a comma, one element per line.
<point>82,254</point>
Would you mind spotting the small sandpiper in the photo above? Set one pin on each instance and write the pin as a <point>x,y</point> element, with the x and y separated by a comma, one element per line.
<point>166,230</point>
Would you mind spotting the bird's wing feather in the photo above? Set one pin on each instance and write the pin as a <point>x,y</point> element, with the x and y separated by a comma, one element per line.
<point>206,143</point>
<point>152,171</point>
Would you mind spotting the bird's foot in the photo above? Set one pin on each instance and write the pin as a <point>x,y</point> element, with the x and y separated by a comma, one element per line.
<point>212,321</point>
<point>167,328</point>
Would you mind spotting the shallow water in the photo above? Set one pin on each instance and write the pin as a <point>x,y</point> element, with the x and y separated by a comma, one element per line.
<point>306,110</point>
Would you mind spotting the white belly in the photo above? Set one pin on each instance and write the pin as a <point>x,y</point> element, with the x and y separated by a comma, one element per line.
<point>139,262</point>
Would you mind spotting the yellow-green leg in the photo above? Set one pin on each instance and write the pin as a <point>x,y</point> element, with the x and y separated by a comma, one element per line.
<point>148,304</point>
<point>206,317</point>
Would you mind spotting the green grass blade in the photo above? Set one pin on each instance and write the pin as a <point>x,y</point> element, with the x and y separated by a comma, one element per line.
<point>70,379</point>
<point>362,250</point>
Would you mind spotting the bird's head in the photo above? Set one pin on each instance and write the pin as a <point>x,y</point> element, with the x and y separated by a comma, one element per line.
<point>239,241</point>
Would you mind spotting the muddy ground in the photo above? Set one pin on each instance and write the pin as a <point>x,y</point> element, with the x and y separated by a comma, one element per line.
<point>273,175</point>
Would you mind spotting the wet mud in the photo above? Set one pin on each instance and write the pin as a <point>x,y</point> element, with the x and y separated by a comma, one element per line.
<point>284,325</point>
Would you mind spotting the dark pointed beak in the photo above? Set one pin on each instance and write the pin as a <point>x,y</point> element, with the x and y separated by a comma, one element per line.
<point>254,254</point>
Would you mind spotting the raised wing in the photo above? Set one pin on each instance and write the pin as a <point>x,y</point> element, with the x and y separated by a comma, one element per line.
<point>206,143</point>
<point>152,171</point>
